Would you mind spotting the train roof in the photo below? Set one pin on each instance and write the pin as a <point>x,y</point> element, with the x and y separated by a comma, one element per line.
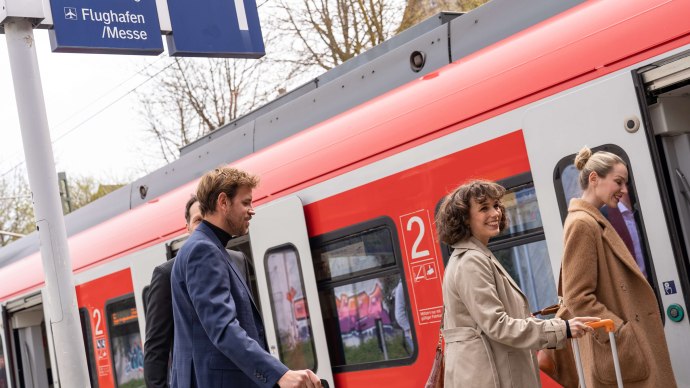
<point>566,50</point>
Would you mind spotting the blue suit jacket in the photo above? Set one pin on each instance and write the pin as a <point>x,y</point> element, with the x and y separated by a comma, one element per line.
<point>219,334</point>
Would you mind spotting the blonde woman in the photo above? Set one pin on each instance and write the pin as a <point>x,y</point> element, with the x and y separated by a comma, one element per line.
<point>490,335</point>
<point>601,277</point>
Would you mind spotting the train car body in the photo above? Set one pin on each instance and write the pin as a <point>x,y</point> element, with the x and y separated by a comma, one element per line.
<point>343,244</point>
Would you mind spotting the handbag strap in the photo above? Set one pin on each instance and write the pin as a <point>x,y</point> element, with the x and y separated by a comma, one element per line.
<point>439,345</point>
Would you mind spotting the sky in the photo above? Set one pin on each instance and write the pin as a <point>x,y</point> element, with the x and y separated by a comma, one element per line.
<point>93,115</point>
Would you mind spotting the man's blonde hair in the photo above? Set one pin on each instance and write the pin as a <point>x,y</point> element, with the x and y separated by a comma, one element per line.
<point>221,180</point>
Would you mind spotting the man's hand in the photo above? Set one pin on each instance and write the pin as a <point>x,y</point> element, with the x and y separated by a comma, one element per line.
<point>299,379</point>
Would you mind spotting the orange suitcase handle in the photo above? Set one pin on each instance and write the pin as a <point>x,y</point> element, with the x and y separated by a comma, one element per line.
<point>605,323</point>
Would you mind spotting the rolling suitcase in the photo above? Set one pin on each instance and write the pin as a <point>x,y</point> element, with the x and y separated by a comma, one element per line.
<point>610,328</point>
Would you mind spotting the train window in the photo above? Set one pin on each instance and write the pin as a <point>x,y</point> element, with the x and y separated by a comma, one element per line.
<point>529,265</point>
<point>125,341</point>
<point>363,297</point>
<point>290,309</point>
<point>522,211</point>
<point>355,255</point>
<point>88,345</point>
<point>3,369</point>
<point>521,247</point>
<point>625,218</point>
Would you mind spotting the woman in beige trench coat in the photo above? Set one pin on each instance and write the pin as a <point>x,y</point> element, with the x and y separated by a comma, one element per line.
<point>490,335</point>
<point>600,277</point>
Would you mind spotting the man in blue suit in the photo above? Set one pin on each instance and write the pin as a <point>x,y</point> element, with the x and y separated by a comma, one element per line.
<point>219,334</point>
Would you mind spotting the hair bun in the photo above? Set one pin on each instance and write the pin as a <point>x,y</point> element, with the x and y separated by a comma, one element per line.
<point>582,158</point>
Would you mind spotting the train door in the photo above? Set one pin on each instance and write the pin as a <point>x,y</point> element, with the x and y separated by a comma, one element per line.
<point>109,312</point>
<point>665,96</point>
<point>31,367</point>
<point>605,114</point>
<point>287,287</point>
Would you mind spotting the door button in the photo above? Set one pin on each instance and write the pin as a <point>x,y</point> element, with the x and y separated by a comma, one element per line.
<point>675,312</point>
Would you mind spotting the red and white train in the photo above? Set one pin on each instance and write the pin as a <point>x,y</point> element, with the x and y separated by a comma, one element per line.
<point>343,244</point>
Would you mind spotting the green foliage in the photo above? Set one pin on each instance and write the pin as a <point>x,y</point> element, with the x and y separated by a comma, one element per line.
<point>16,207</point>
<point>133,384</point>
<point>369,350</point>
<point>301,356</point>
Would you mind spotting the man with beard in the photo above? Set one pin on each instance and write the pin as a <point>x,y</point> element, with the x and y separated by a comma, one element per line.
<point>220,339</point>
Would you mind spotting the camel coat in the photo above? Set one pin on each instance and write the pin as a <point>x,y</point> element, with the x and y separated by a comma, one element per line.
<point>600,278</point>
<point>490,335</point>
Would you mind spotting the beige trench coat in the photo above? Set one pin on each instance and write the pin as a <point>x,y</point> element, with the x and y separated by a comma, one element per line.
<point>600,278</point>
<point>490,335</point>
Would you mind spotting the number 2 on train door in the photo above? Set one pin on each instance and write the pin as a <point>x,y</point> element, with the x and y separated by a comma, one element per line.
<point>416,237</point>
<point>422,265</point>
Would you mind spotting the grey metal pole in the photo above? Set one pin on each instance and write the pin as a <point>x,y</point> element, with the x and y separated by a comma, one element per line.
<point>70,357</point>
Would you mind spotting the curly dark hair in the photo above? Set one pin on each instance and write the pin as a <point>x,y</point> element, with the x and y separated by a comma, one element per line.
<point>453,216</point>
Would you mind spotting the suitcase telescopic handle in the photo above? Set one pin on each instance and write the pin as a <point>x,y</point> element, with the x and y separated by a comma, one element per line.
<point>605,323</point>
<point>610,328</point>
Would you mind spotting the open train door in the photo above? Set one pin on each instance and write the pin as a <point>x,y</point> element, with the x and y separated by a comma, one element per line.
<point>287,287</point>
<point>605,115</point>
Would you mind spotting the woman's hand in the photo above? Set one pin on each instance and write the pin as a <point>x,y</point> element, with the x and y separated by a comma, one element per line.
<point>578,326</point>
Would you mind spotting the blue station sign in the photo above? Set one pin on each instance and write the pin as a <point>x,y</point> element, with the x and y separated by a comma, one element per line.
<point>106,26</point>
<point>215,28</point>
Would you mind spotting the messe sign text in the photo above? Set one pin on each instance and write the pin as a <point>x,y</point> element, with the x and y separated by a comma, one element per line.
<point>105,26</point>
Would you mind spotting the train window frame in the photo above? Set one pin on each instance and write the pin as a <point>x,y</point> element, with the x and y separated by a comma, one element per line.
<point>85,319</point>
<point>563,206</point>
<point>397,268</point>
<point>632,192</point>
<point>109,325</point>
<point>271,302</point>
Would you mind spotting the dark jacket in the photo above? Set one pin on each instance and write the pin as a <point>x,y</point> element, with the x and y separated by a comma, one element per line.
<point>159,321</point>
<point>159,327</point>
<point>220,339</point>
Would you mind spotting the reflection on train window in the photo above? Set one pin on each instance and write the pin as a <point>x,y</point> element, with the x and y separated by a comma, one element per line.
<point>290,309</point>
<point>354,255</point>
<point>3,368</point>
<point>125,342</point>
<point>363,299</point>
<point>522,210</point>
<point>88,345</point>
<point>625,218</point>
<point>530,267</point>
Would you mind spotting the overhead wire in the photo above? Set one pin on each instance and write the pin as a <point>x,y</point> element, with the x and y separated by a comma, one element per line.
<point>90,117</point>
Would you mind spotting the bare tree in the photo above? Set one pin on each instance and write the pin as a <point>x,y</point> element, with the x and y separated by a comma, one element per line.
<point>193,97</point>
<point>418,10</point>
<point>326,33</point>
<point>16,210</point>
